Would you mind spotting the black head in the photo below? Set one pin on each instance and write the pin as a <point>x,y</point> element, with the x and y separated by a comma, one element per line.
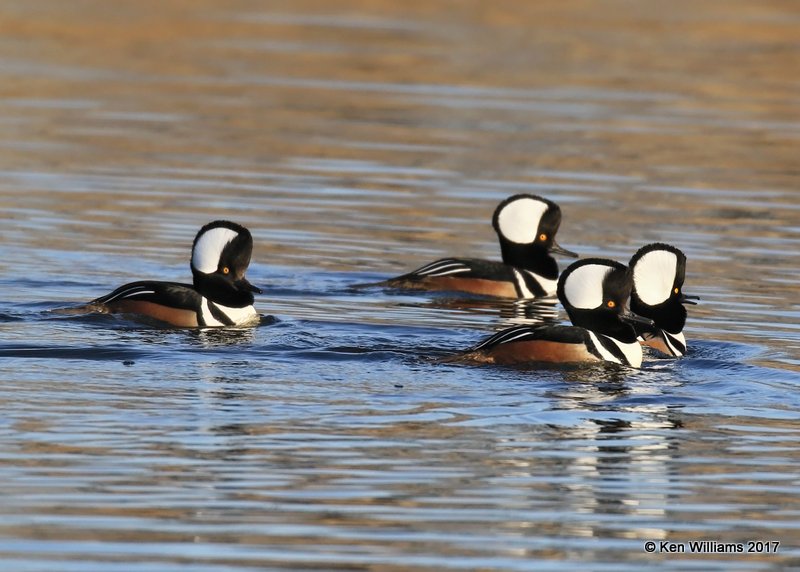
<point>526,226</point>
<point>220,257</point>
<point>658,274</point>
<point>595,293</point>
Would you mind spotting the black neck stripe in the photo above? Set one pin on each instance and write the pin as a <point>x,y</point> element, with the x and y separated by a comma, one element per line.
<point>611,347</point>
<point>530,281</point>
<point>674,343</point>
<point>220,316</point>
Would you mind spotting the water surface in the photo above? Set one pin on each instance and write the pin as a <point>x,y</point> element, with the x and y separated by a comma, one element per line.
<point>358,141</point>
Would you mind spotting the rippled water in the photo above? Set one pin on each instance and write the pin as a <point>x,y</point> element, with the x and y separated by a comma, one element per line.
<point>357,141</point>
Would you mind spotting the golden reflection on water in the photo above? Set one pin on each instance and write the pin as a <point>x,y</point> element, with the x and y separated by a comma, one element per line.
<point>144,118</point>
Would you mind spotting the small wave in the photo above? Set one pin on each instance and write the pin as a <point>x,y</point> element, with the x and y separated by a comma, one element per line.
<point>10,318</point>
<point>107,353</point>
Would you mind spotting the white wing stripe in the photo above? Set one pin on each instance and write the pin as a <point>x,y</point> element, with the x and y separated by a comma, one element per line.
<point>448,272</point>
<point>130,292</point>
<point>511,338</point>
<point>432,265</point>
<point>442,267</point>
<point>505,337</point>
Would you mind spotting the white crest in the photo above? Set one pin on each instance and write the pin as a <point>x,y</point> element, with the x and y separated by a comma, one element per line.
<point>583,287</point>
<point>653,276</point>
<point>209,247</point>
<point>519,220</point>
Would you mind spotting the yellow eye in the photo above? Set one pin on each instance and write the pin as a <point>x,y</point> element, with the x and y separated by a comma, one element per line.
<point>543,237</point>
<point>611,304</point>
<point>676,290</point>
<point>226,270</point>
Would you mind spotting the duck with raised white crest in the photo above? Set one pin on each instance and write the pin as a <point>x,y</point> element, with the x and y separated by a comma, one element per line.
<point>526,226</point>
<point>220,294</point>
<point>659,271</point>
<point>595,294</point>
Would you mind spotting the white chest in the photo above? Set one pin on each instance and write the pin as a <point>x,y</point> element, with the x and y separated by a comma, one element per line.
<point>548,285</point>
<point>632,351</point>
<point>239,316</point>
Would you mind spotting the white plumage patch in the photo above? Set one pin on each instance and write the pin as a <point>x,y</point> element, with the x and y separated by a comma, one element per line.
<point>548,285</point>
<point>208,248</point>
<point>632,351</point>
<point>584,286</point>
<point>505,337</point>
<point>442,267</point>
<point>128,293</point>
<point>671,339</point>
<point>604,353</point>
<point>653,276</point>
<point>521,286</point>
<point>519,220</point>
<point>239,316</point>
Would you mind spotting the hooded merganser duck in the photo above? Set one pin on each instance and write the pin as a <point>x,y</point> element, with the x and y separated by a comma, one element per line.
<point>526,226</point>
<point>595,293</point>
<point>658,274</point>
<point>219,296</point>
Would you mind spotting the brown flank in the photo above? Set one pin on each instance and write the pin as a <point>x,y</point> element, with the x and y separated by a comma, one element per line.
<point>532,351</point>
<point>174,316</point>
<point>481,286</point>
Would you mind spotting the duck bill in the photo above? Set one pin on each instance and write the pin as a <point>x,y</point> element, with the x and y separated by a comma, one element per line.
<point>243,284</point>
<point>635,319</point>
<point>556,248</point>
<point>684,299</point>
